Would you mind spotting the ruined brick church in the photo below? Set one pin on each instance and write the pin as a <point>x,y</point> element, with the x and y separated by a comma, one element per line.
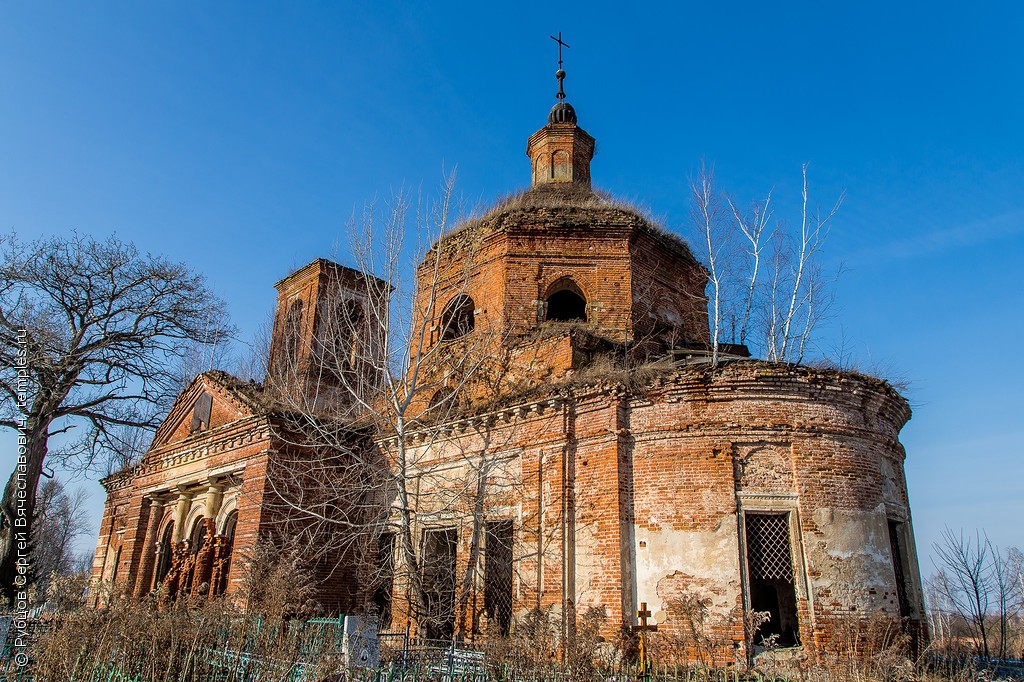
<point>579,482</point>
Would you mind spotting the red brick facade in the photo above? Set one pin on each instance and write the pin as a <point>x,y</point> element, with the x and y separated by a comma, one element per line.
<point>749,487</point>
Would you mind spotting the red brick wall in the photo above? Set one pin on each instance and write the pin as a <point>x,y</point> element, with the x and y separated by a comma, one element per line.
<point>652,482</point>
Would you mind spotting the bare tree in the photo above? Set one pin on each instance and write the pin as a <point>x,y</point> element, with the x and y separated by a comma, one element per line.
<point>798,301</point>
<point>717,242</point>
<point>977,595</point>
<point>965,581</point>
<point>1006,586</point>
<point>392,363</point>
<point>768,289</point>
<point>61,518</point>
<point>92,337</point>
<point>251,363</point>
<point>938,610</point>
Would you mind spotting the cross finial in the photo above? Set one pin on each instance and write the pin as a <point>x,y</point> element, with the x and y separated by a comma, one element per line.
<point>560,74</point>
<point>560,46</point>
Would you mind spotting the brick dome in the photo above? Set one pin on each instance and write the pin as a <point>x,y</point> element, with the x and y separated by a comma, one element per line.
<point>562,113</point>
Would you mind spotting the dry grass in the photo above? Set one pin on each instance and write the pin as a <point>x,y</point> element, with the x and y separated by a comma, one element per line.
<point>593,207</point>
<point>194,639</point>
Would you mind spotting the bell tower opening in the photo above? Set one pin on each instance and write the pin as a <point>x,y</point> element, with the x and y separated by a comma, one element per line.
<point>565,303</point>
<point>458,318</point>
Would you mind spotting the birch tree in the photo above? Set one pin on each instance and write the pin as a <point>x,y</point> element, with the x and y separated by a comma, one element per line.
<point>392,366</point>
<point>767,288</point>
<point>717,244</point>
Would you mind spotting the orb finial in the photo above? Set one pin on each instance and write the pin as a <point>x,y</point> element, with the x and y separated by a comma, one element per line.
<point>560,74</point>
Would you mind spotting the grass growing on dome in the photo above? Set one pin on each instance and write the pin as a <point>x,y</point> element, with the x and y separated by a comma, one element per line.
<point>554,197</point>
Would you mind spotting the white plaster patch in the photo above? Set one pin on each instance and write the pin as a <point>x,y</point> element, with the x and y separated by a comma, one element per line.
<point>709,558</point>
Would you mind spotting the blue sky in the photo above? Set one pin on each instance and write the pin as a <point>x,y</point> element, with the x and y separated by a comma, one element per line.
<point>240,137</point>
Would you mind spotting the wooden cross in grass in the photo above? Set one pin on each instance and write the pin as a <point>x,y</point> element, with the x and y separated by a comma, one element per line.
<point>643,614</point>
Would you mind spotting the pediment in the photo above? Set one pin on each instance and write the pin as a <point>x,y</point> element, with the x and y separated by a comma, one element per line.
<point>206,404</point>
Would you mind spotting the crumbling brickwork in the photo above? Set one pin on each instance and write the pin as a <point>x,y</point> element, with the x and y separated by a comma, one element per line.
<point>599,479</point>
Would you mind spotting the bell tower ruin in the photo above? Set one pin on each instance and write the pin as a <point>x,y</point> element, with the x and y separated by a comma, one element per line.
<point>321,335</point>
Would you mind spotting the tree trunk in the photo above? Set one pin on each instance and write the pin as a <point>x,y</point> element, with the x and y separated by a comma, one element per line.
<point>16,520</point>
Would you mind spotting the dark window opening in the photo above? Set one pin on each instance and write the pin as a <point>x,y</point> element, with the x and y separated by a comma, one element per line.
<point>341,327</point>
<point>201,413</point>
<point>458,318</point>
<point>897,566</point>
<point>197,538</point>
<point>385,579</point>
<point>117,562</point>
<point>771,578</point>
<point>566,305</point>
<point>438,561</point>
<point>442,398</point>
<point>355,321</point>
<point>498,575</point>
<point>291,335</point>
<point>229,545</point>
<point>166,553</point>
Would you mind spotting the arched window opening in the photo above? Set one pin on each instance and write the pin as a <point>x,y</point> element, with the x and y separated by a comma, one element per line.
<point>340,327</point>
<point>442,398</point>
<point>445,402</point>
<point>117,563</point>
<point>566,303</point>
<point>166,553</point>
<point>347,342</point>
<point>197,537</point>
<point>292,331</point>
<point>228,535</point>
<point>457,319</point>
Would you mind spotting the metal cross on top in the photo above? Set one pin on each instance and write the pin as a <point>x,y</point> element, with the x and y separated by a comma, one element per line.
<point>643,614</point>
<point>560,74</point>
<point>560,46</point>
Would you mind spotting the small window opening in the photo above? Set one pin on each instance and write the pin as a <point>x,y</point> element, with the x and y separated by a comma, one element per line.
<point>385,579</point>
<point>771,578</point>
<point>286,346</point>
<point>229,546</point>
<point>566,303</point>
<point>166,553</point>
<point>197,538</point>
<point>458,318</point>
<point>117,563</point>
<point>343,328</point>
<point>442,400</point>
<point>439,582</point>
<point>201,413</point>
<point>897,567</point>
<point>498,576</point>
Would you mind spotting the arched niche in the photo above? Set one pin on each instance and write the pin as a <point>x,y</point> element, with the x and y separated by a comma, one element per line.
<point>165,552</point>
<point>458,318</point>
<point>197,535</point>
<point>227,508</point>
<point>227,539</point>
<point>561,166</point>
<point>565,302</point>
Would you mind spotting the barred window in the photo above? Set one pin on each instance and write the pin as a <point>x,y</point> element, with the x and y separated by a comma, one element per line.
<point>438,571</point>
<point>498,575</point>
<point>771,585</point>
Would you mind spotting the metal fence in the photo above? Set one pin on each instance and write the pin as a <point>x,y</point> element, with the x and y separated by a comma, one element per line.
<point>398,657</point>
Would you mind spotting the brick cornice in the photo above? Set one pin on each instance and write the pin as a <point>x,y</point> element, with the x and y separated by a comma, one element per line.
<point>221,439</point>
